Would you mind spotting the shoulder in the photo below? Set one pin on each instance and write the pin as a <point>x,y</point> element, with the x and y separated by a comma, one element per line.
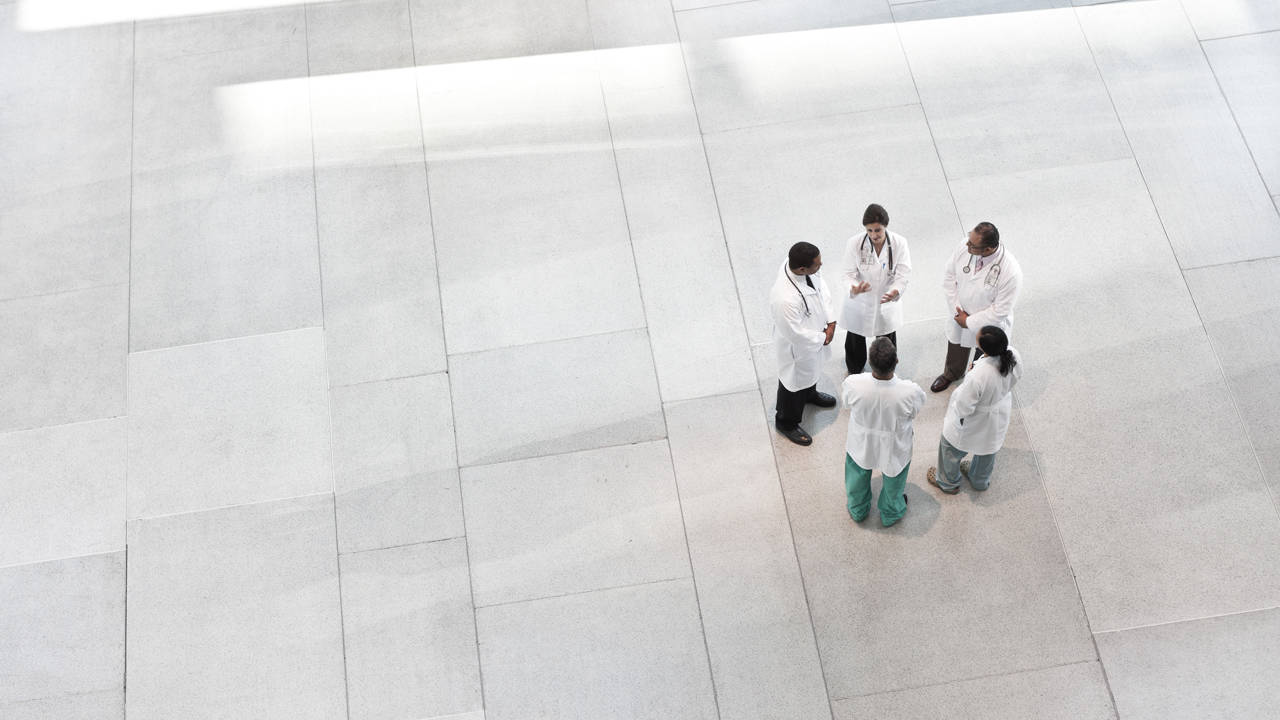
<point>897,239</point>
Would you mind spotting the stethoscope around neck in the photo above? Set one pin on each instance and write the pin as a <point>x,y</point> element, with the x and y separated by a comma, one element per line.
<point>787,270</point>
<point>993,274</point>
<point>862,248</point>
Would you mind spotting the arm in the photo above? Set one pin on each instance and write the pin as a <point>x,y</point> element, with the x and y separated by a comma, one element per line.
<point>966,396</point>
<point>788,317</point>
<point>902,266</point>
<point>998,312</point>
<point>949,284</point>
<point>851,274</point>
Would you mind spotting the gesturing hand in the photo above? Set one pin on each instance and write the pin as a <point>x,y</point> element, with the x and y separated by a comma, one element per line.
<point>962,318</point>
<point>890,296</point>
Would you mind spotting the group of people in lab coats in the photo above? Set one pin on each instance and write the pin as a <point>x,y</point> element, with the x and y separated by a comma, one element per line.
<point>981,280</point>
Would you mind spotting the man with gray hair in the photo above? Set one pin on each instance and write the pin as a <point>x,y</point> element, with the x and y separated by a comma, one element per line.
<point>882,407</point>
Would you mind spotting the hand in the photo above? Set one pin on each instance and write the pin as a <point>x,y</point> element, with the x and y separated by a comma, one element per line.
<point>962,318</point>
<point>890,296</point>
<point>831,333</point>
<point>859,288</point>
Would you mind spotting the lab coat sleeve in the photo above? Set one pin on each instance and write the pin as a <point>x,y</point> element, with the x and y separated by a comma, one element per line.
<point>902,265</point>
<point>916,402</point>
<point>789,320</point>
<point>852,276</point>
<point>949,285</point>
<point>966,396</point>
<point>1001,308</point>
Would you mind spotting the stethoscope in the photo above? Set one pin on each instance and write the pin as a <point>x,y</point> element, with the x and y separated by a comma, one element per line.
<point>807,311</point>
<point>993,275</point>
<point>866,256</point>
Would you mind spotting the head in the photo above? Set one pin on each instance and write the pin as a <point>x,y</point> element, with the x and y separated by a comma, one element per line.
<point>995,343</point>
<point>804,258</point>
<point>984,239</point>
<point>875,219</point>
<point>883,356</point>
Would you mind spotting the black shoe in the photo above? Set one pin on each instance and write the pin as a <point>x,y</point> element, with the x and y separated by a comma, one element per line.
<point>822,400</point>
<point>905,501</point>
<point>797,435</point>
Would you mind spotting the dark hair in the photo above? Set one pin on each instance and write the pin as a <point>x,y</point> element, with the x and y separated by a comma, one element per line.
<point>875,214</point>
<point>802,255</point>
<point>989,234</point>
<point>995,343</point>
<point>883,355</point>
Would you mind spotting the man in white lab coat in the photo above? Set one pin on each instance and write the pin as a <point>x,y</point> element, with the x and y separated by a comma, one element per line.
<point>803,325</point>
<point>978,415</point>
<point>981,280</point>
<point>882,407</point>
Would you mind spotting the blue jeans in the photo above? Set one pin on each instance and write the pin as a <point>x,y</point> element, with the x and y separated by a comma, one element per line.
<point>949,458</point>
<point>857,484</point>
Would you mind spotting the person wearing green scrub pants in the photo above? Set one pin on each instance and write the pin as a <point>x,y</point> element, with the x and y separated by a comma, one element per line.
<point>882,407</point>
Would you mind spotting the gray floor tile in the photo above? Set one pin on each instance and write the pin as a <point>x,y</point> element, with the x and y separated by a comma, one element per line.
<point>941,9</point>
<point>104,705</point>
<point>725,18</point>
<point>446,32</point>
<point>626,23</point>
<point>691,306</point>
<point>410,632</point>
<point>555,397</point>
<point>164,38</point>
<point>1067,692</point>
<point>992,116</point>
<point>62,635</point>
<point>226,423</point>
<point>1220,667</point>
<point>763,655</point>
<point>236,613</point>
<point>755,63</point>
<point>366,118</point>
<point>633,652</point>
<point>1184,138</point>
<point>395,466</point>
<point>64,185</point>
<point>224,241</point>
<point>381,303</point>
<point>63,491</point>
<point>64,357</point>
<point>1216,19</point>
<point>1239,305</point>
<point>818,161</point>
<point>348,37</point>
<point>915,604</point>
<point>1248,69</point>
<point>572,523</point>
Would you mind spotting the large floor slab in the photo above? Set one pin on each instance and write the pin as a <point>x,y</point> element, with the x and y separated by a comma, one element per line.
<point>634,652</point>
<point>811,180</point>
<point>395,466</point>
<point>555,397</point>
<point>229,422</point>
<point>448,32</point>
<point>1068,692</point>
<point>572,523</point>
<point>236,613</point>
<point>1240,306</point>
<point>763,653</point>
<point>989,115</point>
<point>63,491</point>
<point>690,303</point>
<point>1248,70</point>
<point>1226,18</point>
<point>1214,206</point>
<point>410,632</point>
<point>1218,667</point>
<point>64,357</point>
<point>347,37</point>
<point>62,638</point>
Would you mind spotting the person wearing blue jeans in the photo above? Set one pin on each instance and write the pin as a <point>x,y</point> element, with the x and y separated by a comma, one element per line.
<point>978,416</point>
<point>881,409</point>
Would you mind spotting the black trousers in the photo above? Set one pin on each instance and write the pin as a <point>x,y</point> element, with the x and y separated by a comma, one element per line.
<point>855,350</point>
<point>958,361</point>
<point>791,405</point>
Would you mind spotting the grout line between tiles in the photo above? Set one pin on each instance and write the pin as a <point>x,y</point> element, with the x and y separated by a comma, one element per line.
<point>444,338</point>
<point>128,344</point>
<point>324,344</point>
<point>267,501</point>
<point>553,340</point>
<point>653,363</point>
<point>1227,101</point>
<point>233,338</point>
<point>1255,611</point>
<point>42,561</point>
<point>727,3</point>
<point>402,545</point>
<point>795,553</point>
<point>561,453</point>
<point>576,593</point>
<point>375,381</point>
<point>958,681</point>
<point>86,288</point>
<point>1230,262</point>
<point>1229,37</point>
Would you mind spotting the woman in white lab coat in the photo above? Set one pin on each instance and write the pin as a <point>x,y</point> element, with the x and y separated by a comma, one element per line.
<point>978,415</point>
<point>877,268</point>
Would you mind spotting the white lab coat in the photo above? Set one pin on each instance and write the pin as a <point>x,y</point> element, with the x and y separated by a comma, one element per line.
<point>799,334</point>
<point>863,314</point>
<point>880,421</point>
<point>987,295</point>
<point>978,413</point>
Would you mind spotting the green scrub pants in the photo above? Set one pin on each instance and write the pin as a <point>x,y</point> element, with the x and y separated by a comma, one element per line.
<point>857,483</point>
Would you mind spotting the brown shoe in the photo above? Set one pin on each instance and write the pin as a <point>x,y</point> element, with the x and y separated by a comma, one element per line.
<point>942,382</point>
<point>932,477</point>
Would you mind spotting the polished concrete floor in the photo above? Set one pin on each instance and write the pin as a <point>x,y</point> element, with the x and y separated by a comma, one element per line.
<point>387,359</point>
